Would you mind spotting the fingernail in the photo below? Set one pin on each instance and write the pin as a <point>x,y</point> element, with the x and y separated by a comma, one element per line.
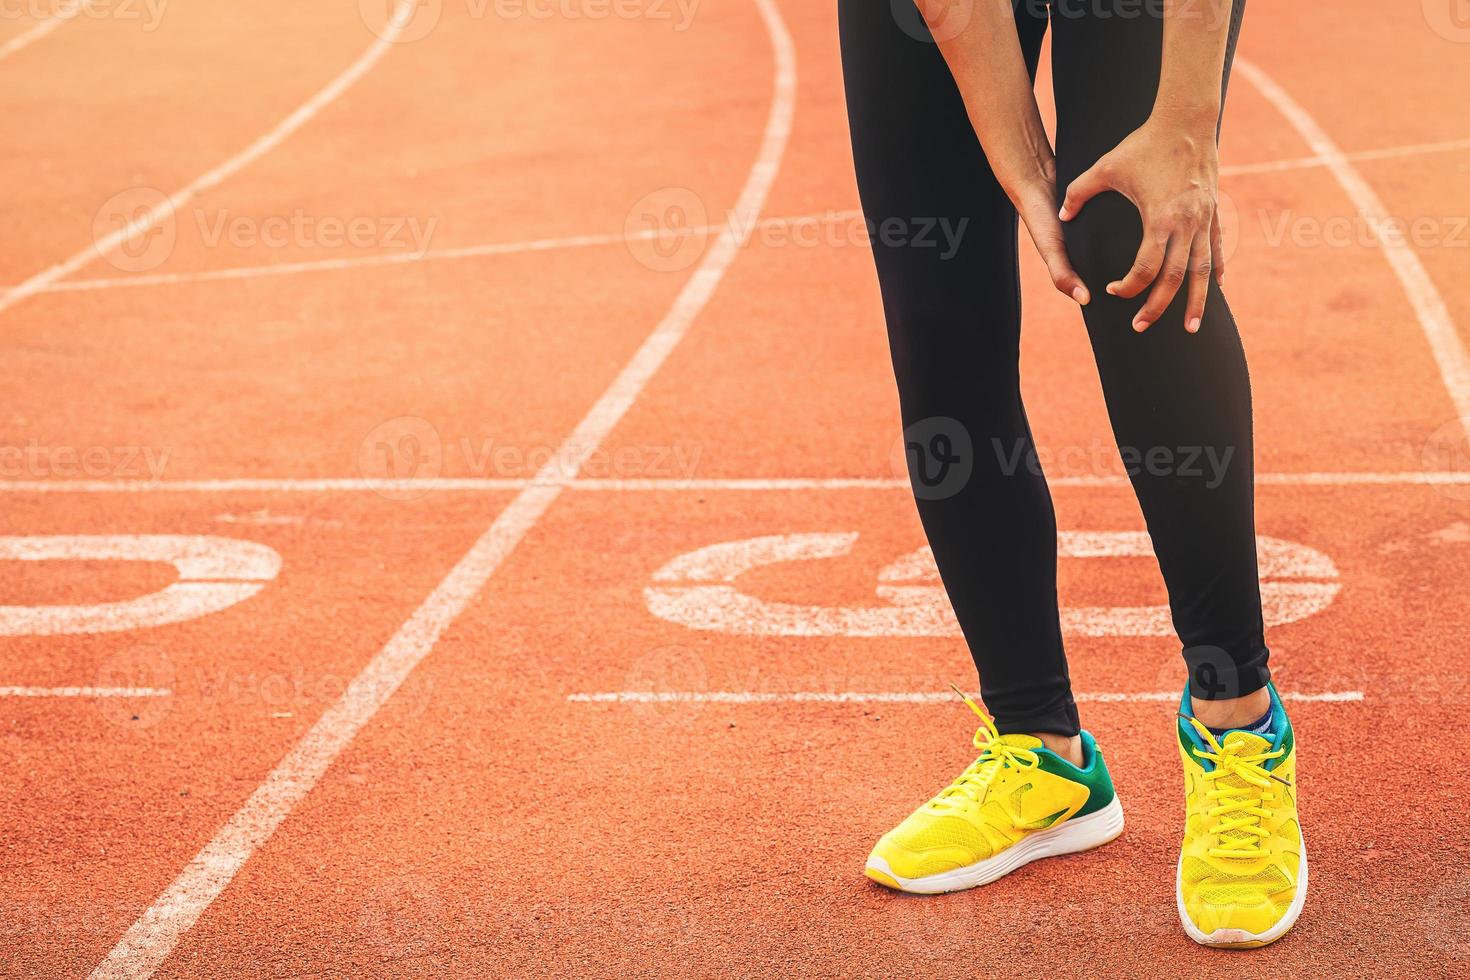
<point>1080,295</point>
<point>1193,326</point>
<point>1112,289</point>
<point>1140,324</point>
<point>1064,214</point>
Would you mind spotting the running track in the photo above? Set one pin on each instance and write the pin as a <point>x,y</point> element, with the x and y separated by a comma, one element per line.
<point>606,306</point>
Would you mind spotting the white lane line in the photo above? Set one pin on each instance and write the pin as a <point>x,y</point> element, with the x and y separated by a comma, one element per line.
<point>402,13</point>
<point>35,32</point>
<point>589,241</point>
<point>756,484</point>
<point>150,939</point>
<point>84,692</point>
<point>1434,316</point>
<point>265,485</point>
<point>437,255</point>
<point>889,697</point>
<point>359,262</point>
<point>1429,478</point>
<point>1386,153</point>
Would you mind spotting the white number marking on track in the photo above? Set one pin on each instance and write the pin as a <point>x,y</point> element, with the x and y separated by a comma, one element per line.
<point>697,589</point>
<point>214,573</point>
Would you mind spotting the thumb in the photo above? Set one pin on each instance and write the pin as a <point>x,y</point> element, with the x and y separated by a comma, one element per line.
<point>1217,249</point>
<point>1087,186</point>
<point>1046,233</point>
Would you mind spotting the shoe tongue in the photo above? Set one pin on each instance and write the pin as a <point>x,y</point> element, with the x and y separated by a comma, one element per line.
<point>1250,742</point>
<point>1021,741</point>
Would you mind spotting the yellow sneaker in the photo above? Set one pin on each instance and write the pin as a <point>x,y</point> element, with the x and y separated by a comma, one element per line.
<point>1242,876</point>
<point>1017,802</point>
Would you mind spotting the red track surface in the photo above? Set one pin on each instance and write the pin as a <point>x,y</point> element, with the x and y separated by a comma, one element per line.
<point>481,822</point>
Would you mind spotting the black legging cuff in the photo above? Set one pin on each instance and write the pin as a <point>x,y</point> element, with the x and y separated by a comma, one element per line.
<point>1045,710</point>
<point>1217,674</point>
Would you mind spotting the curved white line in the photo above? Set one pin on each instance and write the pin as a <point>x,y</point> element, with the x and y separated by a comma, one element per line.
<point>157,931</point>
<point>1429,306</point>
<point>402,14</point>
<point>213,574</point>
<point>39,30</point>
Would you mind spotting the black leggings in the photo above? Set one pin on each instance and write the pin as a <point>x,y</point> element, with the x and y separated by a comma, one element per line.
<point>953,306</point>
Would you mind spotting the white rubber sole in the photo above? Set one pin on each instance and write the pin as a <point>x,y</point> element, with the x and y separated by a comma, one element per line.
<point>1240,938</point>
<point>1077,834</point>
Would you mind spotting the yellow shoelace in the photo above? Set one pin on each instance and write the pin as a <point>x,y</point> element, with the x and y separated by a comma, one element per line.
<point>1242,806</point>
<point>994,756</point>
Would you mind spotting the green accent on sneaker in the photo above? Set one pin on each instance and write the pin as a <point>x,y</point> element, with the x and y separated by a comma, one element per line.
<point>1288,740</point>
<point>1094,775</point>
<point>1185,742</point>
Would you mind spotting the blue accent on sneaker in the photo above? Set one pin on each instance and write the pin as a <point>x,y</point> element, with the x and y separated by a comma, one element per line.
<point>1278,730</point>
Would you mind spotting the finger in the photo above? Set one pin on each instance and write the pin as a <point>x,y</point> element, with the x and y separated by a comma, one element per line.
<point>1198,282</point>
<point>1217,249</point>
<point>1171,276</point>
<point>1146,265</point>
<point>1046,232</point>
<point>1089,185</point>
<point>1063,276</point>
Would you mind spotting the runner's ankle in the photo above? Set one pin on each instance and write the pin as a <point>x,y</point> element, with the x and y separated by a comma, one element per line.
<point>1069,747</point>
<point>1233,712</point>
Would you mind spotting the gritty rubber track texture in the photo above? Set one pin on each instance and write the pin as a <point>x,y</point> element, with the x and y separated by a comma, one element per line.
<point>482,824</point>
